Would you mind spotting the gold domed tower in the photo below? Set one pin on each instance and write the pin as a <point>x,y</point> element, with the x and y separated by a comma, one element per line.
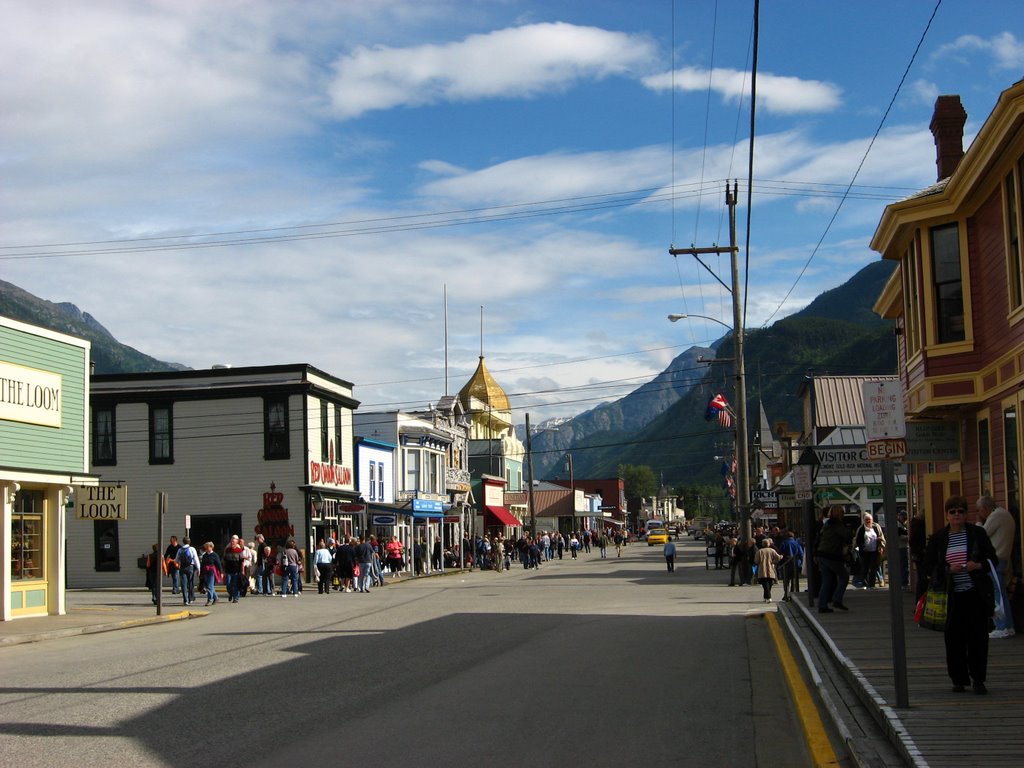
<point>487,405</point>
<point>494,447</point>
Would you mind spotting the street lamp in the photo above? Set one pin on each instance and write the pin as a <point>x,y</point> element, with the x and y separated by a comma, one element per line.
<point>677,317</point>
<point>742,461</point>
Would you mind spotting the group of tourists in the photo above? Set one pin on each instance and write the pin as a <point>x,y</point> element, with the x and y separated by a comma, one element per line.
<point>495,552</point>
<point>768,556</point>
<point>348,564</point>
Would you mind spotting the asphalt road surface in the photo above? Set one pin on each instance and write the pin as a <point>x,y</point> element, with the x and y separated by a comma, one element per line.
<point>589,662</point>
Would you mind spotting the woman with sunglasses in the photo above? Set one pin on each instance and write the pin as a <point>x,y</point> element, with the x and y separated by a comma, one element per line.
<point>957,558</point>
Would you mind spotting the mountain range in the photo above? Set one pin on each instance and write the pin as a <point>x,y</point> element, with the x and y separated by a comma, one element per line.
<point>108,354</point>
<point>660,424</point>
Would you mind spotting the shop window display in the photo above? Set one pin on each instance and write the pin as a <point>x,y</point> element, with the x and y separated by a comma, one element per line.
<point>27,553</point>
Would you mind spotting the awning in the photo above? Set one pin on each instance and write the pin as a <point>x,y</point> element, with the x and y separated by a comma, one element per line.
<point>612,520</point>
<point>504,516</point>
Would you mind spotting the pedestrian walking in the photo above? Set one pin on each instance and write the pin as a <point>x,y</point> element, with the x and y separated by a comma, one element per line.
<point>1001,530</point>
<point>211,570</point>
<point>323,560</point>
<point>767,559</point>
<point>669,550</point>
<point>957,560</point>
<point>831,555</point>
<point>187,560</point>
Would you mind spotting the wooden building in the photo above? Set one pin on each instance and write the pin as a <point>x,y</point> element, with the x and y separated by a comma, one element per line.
<point>957,299</point>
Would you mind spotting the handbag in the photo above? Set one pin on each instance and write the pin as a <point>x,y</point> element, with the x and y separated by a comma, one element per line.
<point>936,609</point>
<point>999,610</point>
<point>355,570</point>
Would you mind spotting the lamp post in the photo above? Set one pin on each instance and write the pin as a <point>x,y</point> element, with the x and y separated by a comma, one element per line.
<point>676,317</point>
<point>742,462</point>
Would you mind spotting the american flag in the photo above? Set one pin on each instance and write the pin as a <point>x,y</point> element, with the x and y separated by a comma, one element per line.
<point>718,407</point>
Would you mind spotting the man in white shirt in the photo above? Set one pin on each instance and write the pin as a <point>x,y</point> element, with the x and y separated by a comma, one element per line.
<point>1000,527</point>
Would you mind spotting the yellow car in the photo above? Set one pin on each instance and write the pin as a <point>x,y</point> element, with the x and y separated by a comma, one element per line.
<point>657,536</point>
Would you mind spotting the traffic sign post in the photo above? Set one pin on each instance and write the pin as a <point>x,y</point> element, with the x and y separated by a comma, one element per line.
<point>886,425</point>
<point>884,417</point>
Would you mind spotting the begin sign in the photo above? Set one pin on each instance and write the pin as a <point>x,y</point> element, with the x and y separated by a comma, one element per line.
<point>885,450</point>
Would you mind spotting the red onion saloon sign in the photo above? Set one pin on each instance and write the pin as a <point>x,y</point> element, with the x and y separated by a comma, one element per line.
<point>29,395</point>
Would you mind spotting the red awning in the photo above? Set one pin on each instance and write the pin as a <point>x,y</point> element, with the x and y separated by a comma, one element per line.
<point>504,516</point>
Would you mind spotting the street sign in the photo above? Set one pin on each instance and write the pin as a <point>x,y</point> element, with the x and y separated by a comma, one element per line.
<point>427,505</point>
<point>845,460</point>
<point>802,482</point>
<point>884,417</point>
<point>889,449</point>
<point>933,441</point>
<point>767,499</point>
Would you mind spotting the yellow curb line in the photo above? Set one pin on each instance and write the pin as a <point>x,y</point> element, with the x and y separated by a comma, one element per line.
<point>817,739</point>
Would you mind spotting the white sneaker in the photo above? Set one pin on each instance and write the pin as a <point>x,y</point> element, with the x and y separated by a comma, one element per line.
<point>998,634</point>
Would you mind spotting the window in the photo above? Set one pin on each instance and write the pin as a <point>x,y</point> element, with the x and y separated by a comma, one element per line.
<point>434,473</point>
<point>424,470</point>
<point>325,435</point>
<point>104,537</point>
<point>411,459</point>
<point>1013,277</point>
<point>161,435</point>
<point>1010,454</point>
<point>984,457</point>
<point>337,435</point>
<point>275,428</point>
<point>380,481</point>
<point>373,481</point>
<point>27,537</point>
<point>912,300</point>
<point>104,436</point>
<point>948,283</point>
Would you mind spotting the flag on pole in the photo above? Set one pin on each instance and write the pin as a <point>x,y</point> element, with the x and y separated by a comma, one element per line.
<point>718,408</point>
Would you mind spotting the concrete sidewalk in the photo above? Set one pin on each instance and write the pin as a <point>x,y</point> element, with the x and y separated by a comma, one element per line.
<point>939,728</point>
<point>91,611</point>
<point>101,610</point>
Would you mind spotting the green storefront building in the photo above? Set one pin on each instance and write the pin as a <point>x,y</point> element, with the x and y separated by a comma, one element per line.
<point>44,450</point>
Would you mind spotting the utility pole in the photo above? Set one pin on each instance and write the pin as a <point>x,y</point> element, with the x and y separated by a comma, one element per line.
<point>742,449</point>
<point>572,491</point>
<point>529,489</point>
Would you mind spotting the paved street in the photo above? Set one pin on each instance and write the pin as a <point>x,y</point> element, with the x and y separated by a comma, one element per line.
<point>611,662</point>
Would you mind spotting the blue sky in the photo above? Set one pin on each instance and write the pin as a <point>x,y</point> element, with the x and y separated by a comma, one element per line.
<point>355,161</point>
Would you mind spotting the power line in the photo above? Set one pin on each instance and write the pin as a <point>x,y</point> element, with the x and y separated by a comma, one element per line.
<point>856,173</point>
<point>422,221</point>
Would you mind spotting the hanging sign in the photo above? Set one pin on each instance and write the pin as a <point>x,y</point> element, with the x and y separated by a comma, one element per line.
<point>101,502</point>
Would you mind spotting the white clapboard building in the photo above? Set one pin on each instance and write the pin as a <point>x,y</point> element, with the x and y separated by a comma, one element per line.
<point>243,451</point>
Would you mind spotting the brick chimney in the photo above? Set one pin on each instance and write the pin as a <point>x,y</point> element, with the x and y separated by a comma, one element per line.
<point>948,129</point>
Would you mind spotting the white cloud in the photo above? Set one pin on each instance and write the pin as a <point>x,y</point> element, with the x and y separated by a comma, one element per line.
<point>557,175</point>
<point>1006,50</point>
<point>924,91</point>
<point>515,62</point>
<point>775,93</point>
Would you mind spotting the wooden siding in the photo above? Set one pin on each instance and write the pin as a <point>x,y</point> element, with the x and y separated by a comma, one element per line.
<point>218,469</point>
<point>50,449</point>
